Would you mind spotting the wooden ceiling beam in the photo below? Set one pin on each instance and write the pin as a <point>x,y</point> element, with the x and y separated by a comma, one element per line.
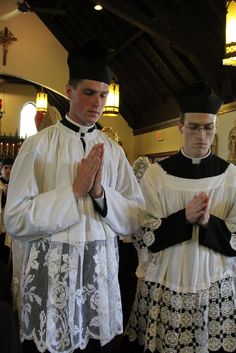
<point>163,61</point>
<point>197,52</point>
<point>208,74</point>
<point>218,11</point>
<point>128,42</point>
<point>143,22</point>
<point>163,33</point>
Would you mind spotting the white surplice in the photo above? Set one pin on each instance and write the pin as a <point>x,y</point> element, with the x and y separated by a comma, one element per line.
<point>65,253</point>
<point>186,296</point>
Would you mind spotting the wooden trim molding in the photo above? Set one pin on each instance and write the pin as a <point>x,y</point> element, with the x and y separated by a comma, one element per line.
<point>226,108</point>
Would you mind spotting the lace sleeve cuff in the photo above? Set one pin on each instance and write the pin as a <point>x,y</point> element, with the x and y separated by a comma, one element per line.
<point>145,235</point>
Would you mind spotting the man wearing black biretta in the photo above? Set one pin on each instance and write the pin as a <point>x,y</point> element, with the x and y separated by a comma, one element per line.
<point>198,98</point>
<point>191,242</point>
<point>72,192</point>
<point>90,62</point>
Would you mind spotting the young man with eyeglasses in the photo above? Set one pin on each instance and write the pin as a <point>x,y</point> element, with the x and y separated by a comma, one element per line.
<point>185,299</point>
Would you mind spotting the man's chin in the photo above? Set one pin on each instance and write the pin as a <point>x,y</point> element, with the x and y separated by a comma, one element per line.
<point>93,118</point>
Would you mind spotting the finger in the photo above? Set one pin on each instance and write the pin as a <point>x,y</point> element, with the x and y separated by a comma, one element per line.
<point>93,154</point>
<point>102,155</point>
<point>199,202</point>
<point>203,197</point>
<point>98,147</point>
<point>94,157</point>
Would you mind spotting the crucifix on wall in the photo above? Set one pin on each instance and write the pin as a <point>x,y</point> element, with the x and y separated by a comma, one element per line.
<point>6,39</point>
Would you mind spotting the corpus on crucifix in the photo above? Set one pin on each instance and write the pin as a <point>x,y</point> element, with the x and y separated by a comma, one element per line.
<point>6,39</point>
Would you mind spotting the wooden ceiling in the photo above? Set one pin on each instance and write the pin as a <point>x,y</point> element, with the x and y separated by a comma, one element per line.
<point>158,47</point>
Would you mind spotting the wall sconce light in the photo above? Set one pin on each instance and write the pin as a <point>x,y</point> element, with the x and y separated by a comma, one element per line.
<point>112,104</point>
<point>230,33</point>
<point>41,101</point>
<point>41,107</point>
<point>2,111</point>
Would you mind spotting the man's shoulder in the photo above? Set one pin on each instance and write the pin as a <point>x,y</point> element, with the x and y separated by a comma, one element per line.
<point>219,161</point>
<point>38,141</point>
<point>174,159</point>
<point>44,132</point>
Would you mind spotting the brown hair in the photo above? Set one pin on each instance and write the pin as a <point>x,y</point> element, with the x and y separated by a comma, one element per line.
<point>74,82</point>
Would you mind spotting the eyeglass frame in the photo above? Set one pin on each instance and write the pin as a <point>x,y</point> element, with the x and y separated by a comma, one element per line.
<point>195,128</point>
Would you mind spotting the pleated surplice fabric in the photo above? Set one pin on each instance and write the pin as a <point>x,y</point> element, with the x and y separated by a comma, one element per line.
<point>186,297</point>
<point>65,253</point>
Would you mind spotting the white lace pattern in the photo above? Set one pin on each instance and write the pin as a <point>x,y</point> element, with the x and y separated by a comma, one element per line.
<point>70,293</point>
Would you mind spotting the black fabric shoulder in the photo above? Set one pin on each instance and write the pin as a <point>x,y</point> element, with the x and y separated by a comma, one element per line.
<point>181,166</point>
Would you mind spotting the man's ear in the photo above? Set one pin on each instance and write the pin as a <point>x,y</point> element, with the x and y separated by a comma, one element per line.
<point>68,90</point>
<point>180,126</point>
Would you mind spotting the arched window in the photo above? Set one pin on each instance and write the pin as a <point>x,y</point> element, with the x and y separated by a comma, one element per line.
<point>27,123</point>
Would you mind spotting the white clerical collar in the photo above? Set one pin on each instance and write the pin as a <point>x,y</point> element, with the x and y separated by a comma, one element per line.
<point>195,160</point>
<point>82,129</point>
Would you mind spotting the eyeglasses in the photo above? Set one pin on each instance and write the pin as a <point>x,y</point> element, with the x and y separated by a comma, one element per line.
<point>195,128</point>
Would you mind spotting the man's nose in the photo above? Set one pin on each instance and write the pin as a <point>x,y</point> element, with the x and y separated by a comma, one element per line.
<point>201,130</point>
<point>96,100</point>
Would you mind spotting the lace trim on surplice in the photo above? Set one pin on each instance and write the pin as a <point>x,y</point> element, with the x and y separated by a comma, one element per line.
<point>171,322</point>
<point>69,294</point>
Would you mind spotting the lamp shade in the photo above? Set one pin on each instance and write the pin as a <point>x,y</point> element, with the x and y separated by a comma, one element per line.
<point>230,34</point>
<point>112,104</point>
<point>42,101</point>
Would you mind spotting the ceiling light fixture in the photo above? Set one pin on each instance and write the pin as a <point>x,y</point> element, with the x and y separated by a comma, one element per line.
<point>97,6</point>
<point>230,34</point>
<point>112,104</point>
